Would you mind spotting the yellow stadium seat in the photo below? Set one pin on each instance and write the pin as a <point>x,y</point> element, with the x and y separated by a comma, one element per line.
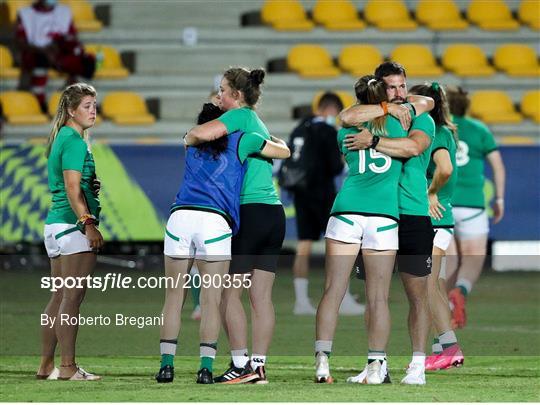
<point>529,13</point>
<point>389,15</point>
<point>7,70</point>
<point>440,15</point>
<point>417,59</point>
<point>530,105</point>
<point>311,61</point>
<point>285,15</point>
<point>359,60</point>
<point>466,60</point>
<point>52,106</point>
<point>516,140</point>
<point>517,60</point>
<point>346,98</point>
<point>13,7</point>
<point>493,15</point>
<point>111,64</point>
<point>494,107</point>
<point>337,15</point>
<point>21,108</point>
<point>126,108</point>
<point>84,17</point>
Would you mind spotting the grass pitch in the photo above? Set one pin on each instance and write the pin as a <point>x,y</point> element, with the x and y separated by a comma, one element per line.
<point>501,345</point>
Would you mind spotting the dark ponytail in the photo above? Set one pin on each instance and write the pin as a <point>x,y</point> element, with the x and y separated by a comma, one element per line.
<point>208,113</point>
<point>257,77</point>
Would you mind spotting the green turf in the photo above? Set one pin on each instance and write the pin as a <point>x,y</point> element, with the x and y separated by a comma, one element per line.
<point>501,344</point>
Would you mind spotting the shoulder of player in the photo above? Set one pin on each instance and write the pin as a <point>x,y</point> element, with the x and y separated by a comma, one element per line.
<point>69,135</point>
<point>424,117</point>
<point>476,124</point>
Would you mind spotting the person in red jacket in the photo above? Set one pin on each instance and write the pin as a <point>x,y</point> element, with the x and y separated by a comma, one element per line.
<point>46,38</point>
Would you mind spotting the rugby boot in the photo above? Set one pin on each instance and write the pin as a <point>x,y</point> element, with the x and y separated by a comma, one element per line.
<point>450,357</point>
<point>204,376</point>
<point>165,374</point>
<point>237,375</point>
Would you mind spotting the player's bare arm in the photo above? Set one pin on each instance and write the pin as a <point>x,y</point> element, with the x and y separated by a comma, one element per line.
<point>443,171</point>
<point>206,132</point>
<point>411,146</point>
<point>360,113</point>
<point>499,178</point>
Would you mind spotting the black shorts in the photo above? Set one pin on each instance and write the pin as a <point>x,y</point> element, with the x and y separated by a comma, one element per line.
<point>312,213</point>
<point>415,245</point>
<point>258,242</point>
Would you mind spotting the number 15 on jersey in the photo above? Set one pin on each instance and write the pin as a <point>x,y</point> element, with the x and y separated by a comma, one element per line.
<point>384,162</point>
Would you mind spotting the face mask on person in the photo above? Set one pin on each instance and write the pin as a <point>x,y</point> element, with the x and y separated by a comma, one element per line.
<point>330,120</point>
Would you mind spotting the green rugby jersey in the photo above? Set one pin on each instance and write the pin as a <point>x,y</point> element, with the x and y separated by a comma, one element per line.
<point>475,143</point>
<point>70,152</point>
<point>444,139</point>
<point>413,183</point>
<point>258,186</point>
<point>372,182</point>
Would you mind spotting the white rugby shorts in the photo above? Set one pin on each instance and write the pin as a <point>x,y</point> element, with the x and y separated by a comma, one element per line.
<point>470,223</point>
<point>197,234</point>
<point>64,239</point>
<point>371,232</point>
<point>443,237</point>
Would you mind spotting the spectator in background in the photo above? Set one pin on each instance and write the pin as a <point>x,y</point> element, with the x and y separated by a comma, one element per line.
<point>315,153</point>
<point>476,144</point>
<point>46,38</point>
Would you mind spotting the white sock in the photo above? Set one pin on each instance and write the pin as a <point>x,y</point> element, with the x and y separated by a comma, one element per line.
<point>208,350</point>
<point>301,289</point>
<point>418,358</point>
<point>323,346</point>
<point>167,346</point>
<point>436,348</point>
<point>466,284</point>
<point>257,360</point>
<point>240,357</point>
<point>376,355</point>
<point>448,338</point>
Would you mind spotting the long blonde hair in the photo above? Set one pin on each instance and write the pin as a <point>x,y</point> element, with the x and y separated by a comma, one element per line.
<point>70,100</point>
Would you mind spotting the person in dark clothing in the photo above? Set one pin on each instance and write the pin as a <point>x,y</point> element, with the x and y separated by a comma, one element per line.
<point>313,144</point>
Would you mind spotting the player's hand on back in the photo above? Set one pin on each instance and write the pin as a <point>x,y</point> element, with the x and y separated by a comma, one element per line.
<point>435,206</point>
<point>402,113</point>
<point>359,141</point>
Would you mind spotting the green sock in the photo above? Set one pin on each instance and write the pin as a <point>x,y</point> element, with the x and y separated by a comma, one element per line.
<point>463,290</point>
<point>167,360</point>
<point>207,362</point>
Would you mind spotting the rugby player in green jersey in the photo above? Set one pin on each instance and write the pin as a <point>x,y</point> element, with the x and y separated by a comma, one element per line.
<point>415,229</point>
<point>71,234</point>
<point>476,145</point>
<point>256,247</point>
<point>442,177</point>
<point>364,216</point>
